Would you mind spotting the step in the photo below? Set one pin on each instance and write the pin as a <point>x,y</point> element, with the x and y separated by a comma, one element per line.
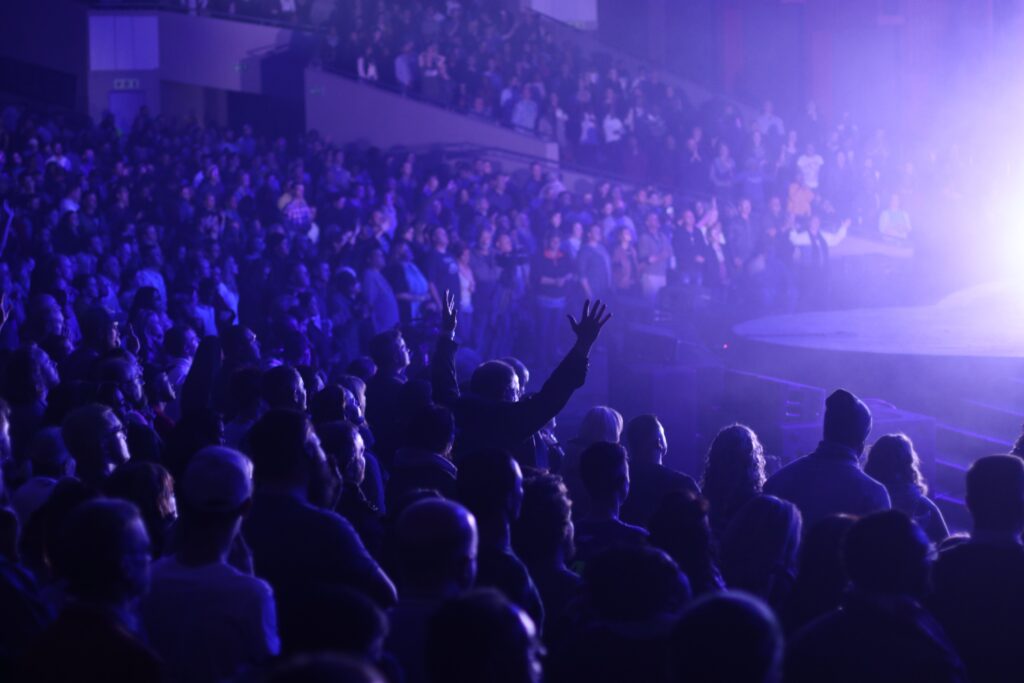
<point>1000,418</point>
<point>949,477</point>
<point>964,446</point>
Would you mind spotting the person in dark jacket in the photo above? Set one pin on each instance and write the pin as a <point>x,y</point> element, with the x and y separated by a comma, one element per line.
<point>425,461</point>
<point>978,586</point>
<point>649,480</point>
<point>490,485</point>
<point>491,415</point>
<point>103,553</point>
<point>830,480</point>
<point>880,633</point>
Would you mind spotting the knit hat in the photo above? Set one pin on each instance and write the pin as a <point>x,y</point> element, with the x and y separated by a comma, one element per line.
<point>847,419</point>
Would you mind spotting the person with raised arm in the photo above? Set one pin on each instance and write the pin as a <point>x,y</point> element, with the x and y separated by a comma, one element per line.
<point>491,415</point>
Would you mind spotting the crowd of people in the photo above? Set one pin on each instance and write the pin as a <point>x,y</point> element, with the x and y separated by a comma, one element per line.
<point>487,62</point>
<point>273,521</point>
<point>242,438</point>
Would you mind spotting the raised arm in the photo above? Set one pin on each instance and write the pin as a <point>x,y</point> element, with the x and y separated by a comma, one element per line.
<point>833,239</point>
<point>444,383</point>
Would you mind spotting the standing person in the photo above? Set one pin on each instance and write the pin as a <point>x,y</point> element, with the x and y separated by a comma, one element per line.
<point>486,273</point>
<point>440,267</point>
<point>102,553</point>
<point>197,599</point>
<point>893,461</point>
<point>733,474</point>
<point>409,283</point>
<point>830,480</point>
<point>292,487</point>
<point>654,251</point>
<point>604,468</point>
<point>467,292</point>
<point>650,480</point>
<point>691,250</point>
<point>881,632</point>
<point>552,272</point>
<point>594,265</point>
<point>508,298</point>
<point>380,297</point>
<point>625,268</point>
<point>978,586</point>
<point>437,542</point>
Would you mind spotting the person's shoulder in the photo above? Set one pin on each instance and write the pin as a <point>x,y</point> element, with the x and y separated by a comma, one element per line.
<point>786,473</point>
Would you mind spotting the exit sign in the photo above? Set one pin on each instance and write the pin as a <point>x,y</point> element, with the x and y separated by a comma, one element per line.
<point>126,84</point>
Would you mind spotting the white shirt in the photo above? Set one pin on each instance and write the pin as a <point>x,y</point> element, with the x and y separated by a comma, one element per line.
<point>613,128</point>
<point>809,167</point>
<point>208,622</point>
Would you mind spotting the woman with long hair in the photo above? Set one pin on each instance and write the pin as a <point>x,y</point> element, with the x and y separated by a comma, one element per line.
<point>733,474</point>
<point>893,461</point>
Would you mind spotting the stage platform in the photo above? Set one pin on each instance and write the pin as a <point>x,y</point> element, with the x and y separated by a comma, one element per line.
<point>984,321</point>
<point>959,360</point>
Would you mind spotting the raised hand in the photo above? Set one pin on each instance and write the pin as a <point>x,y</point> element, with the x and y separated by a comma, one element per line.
<point>449,315</point>
<point>130,341</point>
<point>5,309</point>
<point>590,323</point>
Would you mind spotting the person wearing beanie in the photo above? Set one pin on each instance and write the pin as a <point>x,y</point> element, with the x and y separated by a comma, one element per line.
<point>830,480</point>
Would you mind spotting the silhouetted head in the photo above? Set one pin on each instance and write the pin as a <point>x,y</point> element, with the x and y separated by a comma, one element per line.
<point>431,428</point>
<point>995,493</point>
<point>680,527</point>
<point>102,551</point>
<point>328,404</point>
<point>29,375</point>
<point>522,372</point>
<point>893,461</point>
<point>100,329</point>
<point>544,529</point>
<point>635,583</point>
<point>241,347</point>
<point>601,423</point>
<point>389,352</point>
<point>887,553</point>
<point>495,380</point>
<point>150,488</point>
<point>282,387</point>
<point>727,637</point>
<point>490,484</point>
<point>96,440</point>
<point>437,544</point>
<point>645,437</point>
<point>847,420</point>
<point>343,443</point>
<point>285,450</point>
<point>481,636</point>
<point>604,468</point>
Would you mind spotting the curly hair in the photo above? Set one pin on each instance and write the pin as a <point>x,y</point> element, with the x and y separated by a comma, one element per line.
<point>893,461</point>
<point>733,472</point>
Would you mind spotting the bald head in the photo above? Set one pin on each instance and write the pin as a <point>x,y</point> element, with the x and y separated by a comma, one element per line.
<point>437,539</point>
